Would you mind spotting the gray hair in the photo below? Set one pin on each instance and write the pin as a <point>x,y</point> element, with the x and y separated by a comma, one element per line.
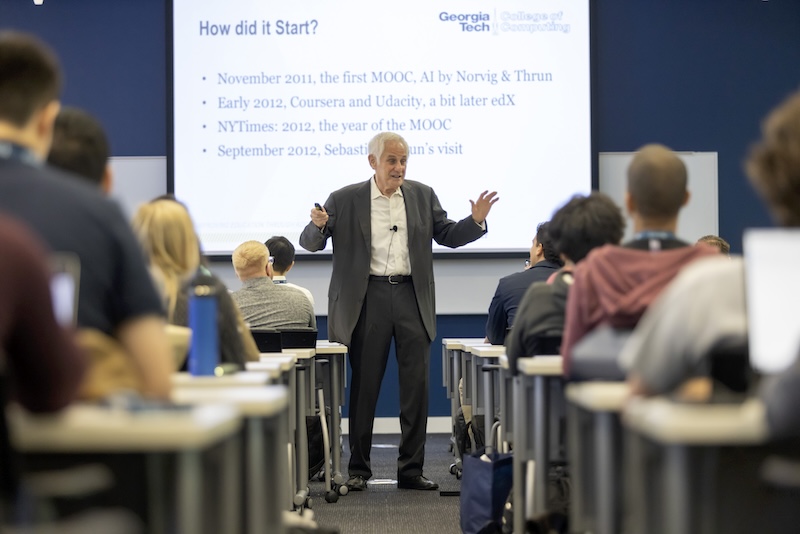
<point>377,143</point>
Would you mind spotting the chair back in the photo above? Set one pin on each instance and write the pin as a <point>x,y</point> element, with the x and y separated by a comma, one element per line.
<point>301,338</point>
<point>267,339</point>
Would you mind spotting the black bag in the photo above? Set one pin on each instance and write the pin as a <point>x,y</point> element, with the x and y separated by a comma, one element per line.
<point>484,489</point>
<point>316,446</point>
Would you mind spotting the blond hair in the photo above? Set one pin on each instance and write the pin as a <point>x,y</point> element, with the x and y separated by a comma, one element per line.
<point>167,236</point>
<point>250,260</point>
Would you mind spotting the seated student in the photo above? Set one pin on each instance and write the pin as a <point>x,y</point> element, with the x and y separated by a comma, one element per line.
<point>41,362</point>
<point>80,146</point>
<point>705,306</point>
<point>583,223</point>
<point>614,285</point>
<point>42,367</point>
<point>543,262</point>
<point>167,235</point>
<point>716,241</point>
<point>263,303</point>
<point>117,300</point>
<point>282,252</point>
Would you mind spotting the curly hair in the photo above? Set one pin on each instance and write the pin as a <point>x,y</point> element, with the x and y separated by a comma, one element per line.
<point>773,164</point>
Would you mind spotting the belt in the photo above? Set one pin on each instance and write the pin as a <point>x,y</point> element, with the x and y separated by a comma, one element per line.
<point>393,279</point>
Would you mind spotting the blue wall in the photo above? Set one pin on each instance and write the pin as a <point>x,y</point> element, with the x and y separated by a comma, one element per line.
<point>693,74</point>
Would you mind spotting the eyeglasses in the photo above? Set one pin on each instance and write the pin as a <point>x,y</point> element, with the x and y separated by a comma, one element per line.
<point>271,260</point>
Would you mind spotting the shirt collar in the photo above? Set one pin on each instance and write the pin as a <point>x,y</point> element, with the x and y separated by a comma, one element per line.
<point>255,282</point>
<point>376,193</point>
<point>15,152</point>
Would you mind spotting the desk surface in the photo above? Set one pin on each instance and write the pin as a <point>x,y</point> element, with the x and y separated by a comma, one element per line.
<point>697,424</point>
<point>240,379</point>
<point>599,396</point>
<point>88,428</point>
<point>461,343</point>
<point>264,401</point>
<point>504,362</point>
<point>486,350</point>
<point>541,365</point>
<point>330,347</point>
<point>301,354</point>
<point>286,360</point>
<point>274,370</point>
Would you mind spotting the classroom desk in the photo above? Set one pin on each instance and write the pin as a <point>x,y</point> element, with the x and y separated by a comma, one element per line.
<point>453,371</point>
<point>485,362</point>
<point>595,455</point>
<point>532,441</point>
<point>281,369</point>
<point>85,429</point>
<point>451,375</point>
<point>240,379</point>
<point>305,406</point>
<point>265,411</point>
<point>336,353</point>
<point>686,436</point>
<point>506,403</point>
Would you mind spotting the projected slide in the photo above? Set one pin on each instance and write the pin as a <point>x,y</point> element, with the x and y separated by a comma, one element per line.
<point>275,102</point>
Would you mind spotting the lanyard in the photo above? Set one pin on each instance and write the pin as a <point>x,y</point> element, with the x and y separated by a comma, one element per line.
<point>654,238</point>
<point>14,152</point>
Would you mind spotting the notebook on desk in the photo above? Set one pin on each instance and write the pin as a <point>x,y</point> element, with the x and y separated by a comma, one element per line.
<point>772,294</point>
<point>65,278</point>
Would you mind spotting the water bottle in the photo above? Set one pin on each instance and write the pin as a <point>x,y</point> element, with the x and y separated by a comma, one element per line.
<point>204,351</point>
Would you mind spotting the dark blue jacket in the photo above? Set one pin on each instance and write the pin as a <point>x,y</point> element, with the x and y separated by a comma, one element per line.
<point>506,299</point>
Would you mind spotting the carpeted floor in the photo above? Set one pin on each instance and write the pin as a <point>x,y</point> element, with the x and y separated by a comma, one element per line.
<point>384,508</point>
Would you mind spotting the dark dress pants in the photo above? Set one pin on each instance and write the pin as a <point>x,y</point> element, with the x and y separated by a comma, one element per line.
<point>389,310</point>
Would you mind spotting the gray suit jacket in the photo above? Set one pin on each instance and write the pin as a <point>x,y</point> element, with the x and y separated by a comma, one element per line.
<point>349,227</point>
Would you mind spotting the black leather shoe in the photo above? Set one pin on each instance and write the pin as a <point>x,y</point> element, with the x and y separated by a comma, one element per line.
<point>418,482</point>
<point>356,483</point>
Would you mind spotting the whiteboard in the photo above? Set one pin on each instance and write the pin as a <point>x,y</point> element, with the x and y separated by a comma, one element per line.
<point>137,180</point>
<point>698,218</point>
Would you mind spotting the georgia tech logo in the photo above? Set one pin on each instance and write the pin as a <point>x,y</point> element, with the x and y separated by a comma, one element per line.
<point>469,22</point>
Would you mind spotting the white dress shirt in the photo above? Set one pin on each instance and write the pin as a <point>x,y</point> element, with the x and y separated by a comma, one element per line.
<point>389,252</point>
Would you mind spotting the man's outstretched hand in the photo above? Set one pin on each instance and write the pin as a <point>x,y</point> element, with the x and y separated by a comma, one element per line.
<point>482,206</point>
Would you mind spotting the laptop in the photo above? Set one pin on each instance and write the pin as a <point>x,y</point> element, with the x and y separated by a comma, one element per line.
<point>772,294</point>
<point>65,269</point>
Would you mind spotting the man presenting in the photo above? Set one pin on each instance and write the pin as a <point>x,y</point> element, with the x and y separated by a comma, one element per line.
<point>382,287</point>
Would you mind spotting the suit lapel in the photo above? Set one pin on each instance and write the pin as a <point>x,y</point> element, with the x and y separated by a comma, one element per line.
<point>412,210</point>
<point>362,205</point>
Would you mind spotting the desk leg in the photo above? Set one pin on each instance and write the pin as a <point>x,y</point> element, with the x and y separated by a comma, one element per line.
<point>520,454</point>
<point>578,464</point>
<point>455,402</point>
<point>231,476</point>
<point>446,372</point>
<point>336,419</point>
<point>156,494</point>
<point>272,442</point>
<point>257,505</point>
<point>607,485</point>
<point>488,416</point>
<point>303,377</point>
<point>190,489</point>
<point>541,442</point>
<point>454,370</point>
<point>295,418</point>
<point>677,490</point>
